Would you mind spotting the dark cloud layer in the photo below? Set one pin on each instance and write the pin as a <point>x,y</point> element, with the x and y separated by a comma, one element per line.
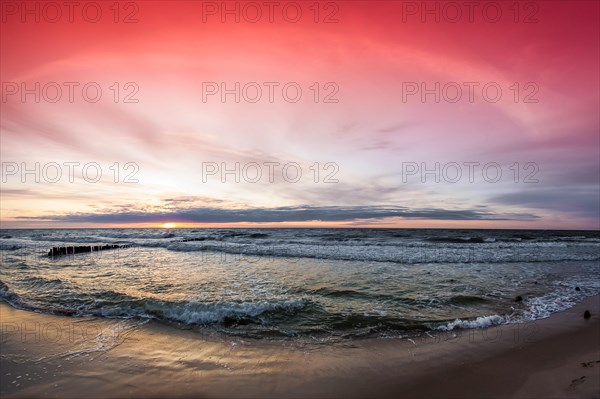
<point>281,214</point>
<point>581,201</point>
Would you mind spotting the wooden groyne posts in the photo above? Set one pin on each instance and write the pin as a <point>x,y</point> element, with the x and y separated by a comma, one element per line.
<point>72,250</point>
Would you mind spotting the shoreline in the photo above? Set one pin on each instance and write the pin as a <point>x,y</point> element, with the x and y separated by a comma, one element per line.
<point>57,356</point>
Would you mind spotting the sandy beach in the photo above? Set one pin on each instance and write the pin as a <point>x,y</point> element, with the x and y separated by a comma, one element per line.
<point>56,356</point>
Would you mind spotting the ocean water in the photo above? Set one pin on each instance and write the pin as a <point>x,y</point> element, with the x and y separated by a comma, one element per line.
<point>293,283</point>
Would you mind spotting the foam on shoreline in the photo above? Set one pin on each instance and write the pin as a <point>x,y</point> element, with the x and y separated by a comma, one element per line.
<point>60,356</point>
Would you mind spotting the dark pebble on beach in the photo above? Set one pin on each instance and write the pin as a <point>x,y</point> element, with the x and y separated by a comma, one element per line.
<point>587,314</point>
<point>518,298</point>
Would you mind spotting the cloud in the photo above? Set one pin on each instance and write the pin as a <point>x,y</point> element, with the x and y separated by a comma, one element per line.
<point>280,214</point>
<point>581,201</point>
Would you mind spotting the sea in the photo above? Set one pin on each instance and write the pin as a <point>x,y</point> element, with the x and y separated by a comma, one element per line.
<point>303,283</point>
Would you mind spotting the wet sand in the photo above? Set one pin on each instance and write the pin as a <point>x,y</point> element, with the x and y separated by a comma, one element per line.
<point>56,356</point>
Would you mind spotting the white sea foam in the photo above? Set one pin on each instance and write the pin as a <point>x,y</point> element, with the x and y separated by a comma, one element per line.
<point>201,313</point>
<point>564,297</point>
<point>480,322</point>
<point>197,313</point>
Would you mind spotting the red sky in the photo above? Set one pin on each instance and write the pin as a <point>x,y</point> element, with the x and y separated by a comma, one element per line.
<point>369,55</point>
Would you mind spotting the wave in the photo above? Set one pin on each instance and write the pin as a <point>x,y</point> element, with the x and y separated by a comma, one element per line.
<point>377,245</point>
<point>459,240</point>
<point>10,247</point>
<point>467,300</point>
<point>194,312</point>
<point>316,235</point>
<point>561,298</point>
<point>479,322</point>
<point>408,254</point>
<point>113,304</point>
<point>8,295</point>
<point>291,317</point>
<point>256,318</point>
<point>41,282</point>
<point>350,294</point>
<point>460,300</point>
<point>535,307</point>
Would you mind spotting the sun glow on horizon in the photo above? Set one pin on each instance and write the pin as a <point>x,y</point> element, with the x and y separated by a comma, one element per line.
<point>169,225</point>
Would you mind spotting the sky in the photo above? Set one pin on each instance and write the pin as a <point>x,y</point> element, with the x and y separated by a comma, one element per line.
<point>300,114</point>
